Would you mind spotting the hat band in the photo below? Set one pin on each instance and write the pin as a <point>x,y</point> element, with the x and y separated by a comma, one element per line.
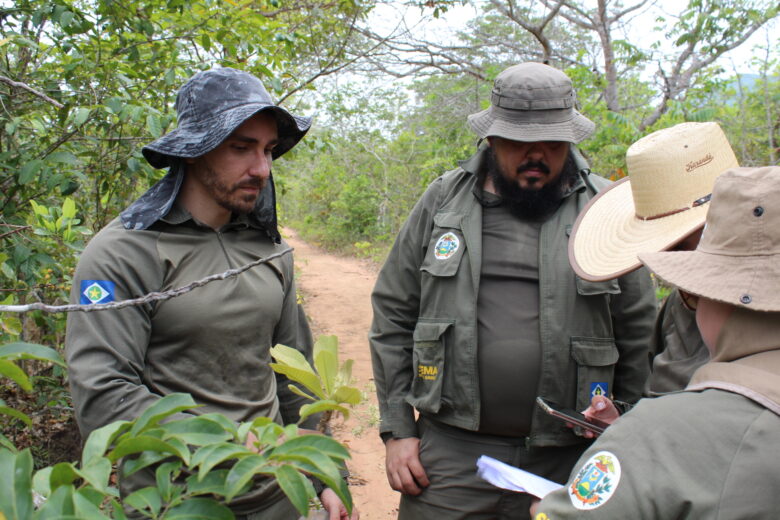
<point>533,116</point>
<point>697,202</point>
<point>516,103</point>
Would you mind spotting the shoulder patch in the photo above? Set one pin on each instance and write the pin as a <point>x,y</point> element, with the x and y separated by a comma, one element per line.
<point>596,481</point>
<point>96,291</point>
<point>446,246</point>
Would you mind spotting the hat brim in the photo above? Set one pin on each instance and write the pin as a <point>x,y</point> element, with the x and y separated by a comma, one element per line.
<point>721,277</point>
<point>195,140</point>
<point>574,130</point>
<point>607,237</point>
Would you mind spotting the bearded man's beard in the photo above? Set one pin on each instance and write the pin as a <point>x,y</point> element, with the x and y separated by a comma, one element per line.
<point>531,204</point>
<point>229,196</point>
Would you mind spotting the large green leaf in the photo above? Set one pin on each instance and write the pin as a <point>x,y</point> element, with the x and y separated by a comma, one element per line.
<point>164,476</point>
<point>147,458</point>
<point>291,357</point>
<point>134,445</point>
<point>327,364</point>
<point>16,414</point>
<point>296,486</point>
<point>347,394</point>
<point>62,474</point>
<point>224,422</point>
<point>322,406</point>
<point>85,509</point>
<point>145,499</point>
<point>99,440</point>
<point>240,474</point>
<point>213,483</point>
<point>16,488</point>
<point>199,508</point>
<point>306,377</point>
<point>15,374</point>
<point>22,350</point>
<point>59,505</point>
<point>322,467</point>
<point>208,457</point>
<point>322,443</point>
<point>97,473</point>
<point>197,431</point>
<point>165,407</point>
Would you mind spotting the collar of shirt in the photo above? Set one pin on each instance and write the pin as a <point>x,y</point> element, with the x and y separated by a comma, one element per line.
<point>158,203</point>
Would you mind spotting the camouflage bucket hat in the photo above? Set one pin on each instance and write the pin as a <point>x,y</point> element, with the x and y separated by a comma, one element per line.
<point>211,105</point>
<point>532,102</point>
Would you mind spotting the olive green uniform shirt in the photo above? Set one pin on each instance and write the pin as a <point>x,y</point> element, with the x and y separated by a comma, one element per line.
<point>212,342</point>
<point>711,454</point>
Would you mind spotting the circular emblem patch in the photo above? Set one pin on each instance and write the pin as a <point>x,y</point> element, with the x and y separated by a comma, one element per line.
<point>596,481</point>
<point>446,246</point>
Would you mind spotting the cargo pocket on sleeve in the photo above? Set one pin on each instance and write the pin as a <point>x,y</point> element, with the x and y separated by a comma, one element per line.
<point>428,364</point>
<point>596,359</point>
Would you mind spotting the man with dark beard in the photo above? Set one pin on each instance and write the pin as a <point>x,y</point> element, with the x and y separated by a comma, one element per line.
<point>215,210</point>
<point>477,311</point>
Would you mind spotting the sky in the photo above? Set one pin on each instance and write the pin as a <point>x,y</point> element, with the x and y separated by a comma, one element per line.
<point>387,16</point>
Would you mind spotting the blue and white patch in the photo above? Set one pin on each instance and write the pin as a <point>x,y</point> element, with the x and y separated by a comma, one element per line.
<point>446,246</point>
<point>599,389</point>
<point>97,291</point>
<point>596,481</point>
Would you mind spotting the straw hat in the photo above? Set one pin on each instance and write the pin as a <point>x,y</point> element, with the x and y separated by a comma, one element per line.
<point>738,257</point>
<point>664,199</point>
<point>532,102</point>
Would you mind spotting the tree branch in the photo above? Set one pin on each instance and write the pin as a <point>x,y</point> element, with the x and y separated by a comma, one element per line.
<point>28,88</point>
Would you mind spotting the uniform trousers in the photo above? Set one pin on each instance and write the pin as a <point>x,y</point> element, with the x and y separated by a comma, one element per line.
<point>449,456</point>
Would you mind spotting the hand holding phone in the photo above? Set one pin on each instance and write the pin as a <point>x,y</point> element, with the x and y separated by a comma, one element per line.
<point>571,416</point>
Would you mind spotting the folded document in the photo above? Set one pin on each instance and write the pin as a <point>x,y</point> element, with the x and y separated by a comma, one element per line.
<point>512,478</point>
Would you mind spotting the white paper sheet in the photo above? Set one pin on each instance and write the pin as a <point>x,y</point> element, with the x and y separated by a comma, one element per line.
<point>512,478</point>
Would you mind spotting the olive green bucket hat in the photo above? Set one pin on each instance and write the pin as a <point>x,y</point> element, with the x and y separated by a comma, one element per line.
<point>532,102</point>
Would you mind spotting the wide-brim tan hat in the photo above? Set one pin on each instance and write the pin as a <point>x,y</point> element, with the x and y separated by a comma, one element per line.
<point>532,102</point>
<point>664,199</point>
<point>738,257</point>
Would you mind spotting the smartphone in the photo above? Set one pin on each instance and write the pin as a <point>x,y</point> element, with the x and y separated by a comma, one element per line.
<point>571,416</point>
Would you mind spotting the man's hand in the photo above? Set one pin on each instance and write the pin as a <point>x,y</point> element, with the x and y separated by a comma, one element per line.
<point>601,408</point>
<point>404,470</point>
<point>335,508</point>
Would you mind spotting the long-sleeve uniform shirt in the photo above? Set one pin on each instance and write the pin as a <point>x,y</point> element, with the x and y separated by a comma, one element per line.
<point>594,336</point>
<point>212,342</point>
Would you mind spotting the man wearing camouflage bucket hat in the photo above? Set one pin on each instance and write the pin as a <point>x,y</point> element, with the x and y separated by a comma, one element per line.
<point>712,450</point>
<point>214,210</point>
<point>477,311</point>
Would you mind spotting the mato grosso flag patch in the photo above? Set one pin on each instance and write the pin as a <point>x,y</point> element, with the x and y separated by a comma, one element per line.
<point>446,246</point>
<point>97,291</point>
<point>596,481</point>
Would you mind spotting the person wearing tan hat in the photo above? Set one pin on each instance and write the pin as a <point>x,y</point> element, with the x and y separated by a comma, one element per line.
<point>713,450</point>
<point>660,206</point>
<point>477,311</point>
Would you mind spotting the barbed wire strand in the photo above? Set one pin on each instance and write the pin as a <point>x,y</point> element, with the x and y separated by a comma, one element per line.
<point>148,298</point>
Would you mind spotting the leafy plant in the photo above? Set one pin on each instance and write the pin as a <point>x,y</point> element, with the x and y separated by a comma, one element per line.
<point>190,455</point>
<point>328,385</point>
<point>8,368</point>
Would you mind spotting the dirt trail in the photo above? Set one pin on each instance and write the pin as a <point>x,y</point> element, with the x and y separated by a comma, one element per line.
<point>336,292</point>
